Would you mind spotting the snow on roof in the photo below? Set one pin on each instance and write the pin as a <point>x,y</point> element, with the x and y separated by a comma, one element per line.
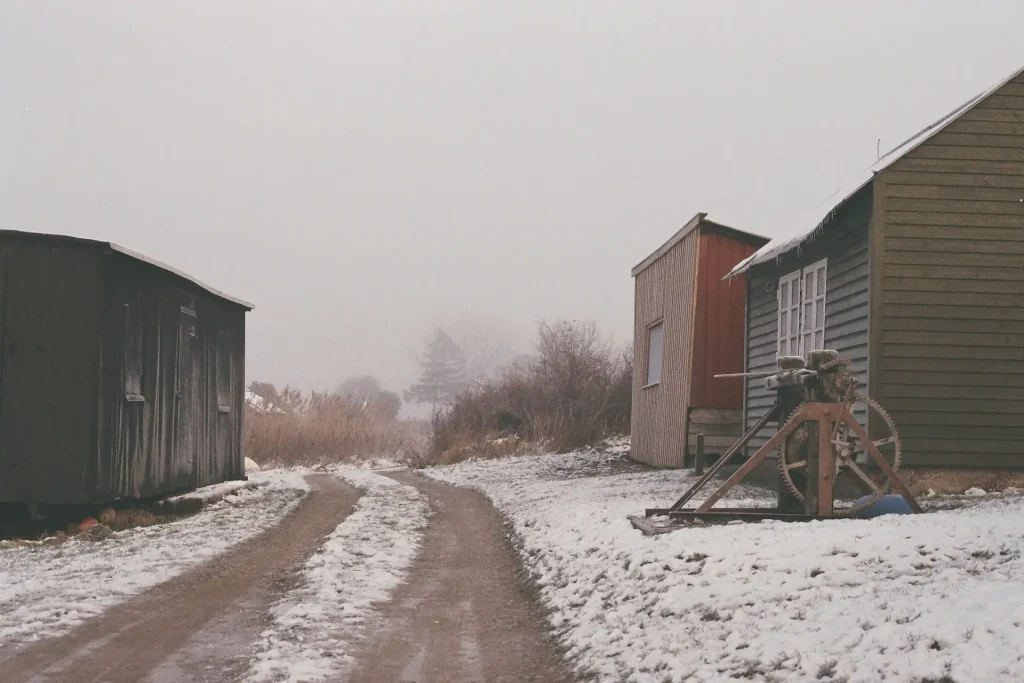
<point>800,228</point>
<point>171,269</point>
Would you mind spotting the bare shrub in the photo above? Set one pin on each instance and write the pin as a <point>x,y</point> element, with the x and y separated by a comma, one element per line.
<point>572,391</point>
<point>293,428</point>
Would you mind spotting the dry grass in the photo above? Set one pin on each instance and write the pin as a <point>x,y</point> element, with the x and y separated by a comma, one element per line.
<point>132,518</point>
<point>126,518</point>
<point>309,429</point>
<point>573,391</point>
<point>948,480</point>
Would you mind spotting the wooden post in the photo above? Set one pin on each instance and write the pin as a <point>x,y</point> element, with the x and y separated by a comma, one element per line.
<point>826,466</point>
<point>882,463</point>
<point>698,456</point>
<point>809,412</point>
<point>809,452</point>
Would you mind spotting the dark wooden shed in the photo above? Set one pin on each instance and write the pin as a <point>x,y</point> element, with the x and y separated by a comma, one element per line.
<point>120,377</point>
<point>915,271</point>
<point>688,327</point>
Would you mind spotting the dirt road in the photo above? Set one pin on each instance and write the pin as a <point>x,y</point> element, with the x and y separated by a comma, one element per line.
<point>463,615</point>
<point>198,627</point>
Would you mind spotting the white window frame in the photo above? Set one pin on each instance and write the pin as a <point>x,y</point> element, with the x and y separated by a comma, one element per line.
<point>653,379</point>
<point>788,341</point>
<point>811,286</point>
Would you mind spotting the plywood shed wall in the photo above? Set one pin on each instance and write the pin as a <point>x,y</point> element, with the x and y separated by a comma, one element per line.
<point>680,288</point>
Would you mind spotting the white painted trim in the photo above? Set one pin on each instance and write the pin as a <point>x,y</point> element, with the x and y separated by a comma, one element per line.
<point>784,332</point>
<point>813,297</point>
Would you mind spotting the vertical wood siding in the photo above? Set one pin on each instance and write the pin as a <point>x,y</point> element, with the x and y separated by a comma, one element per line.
<point>48,368</point>
<point>844,242</point>
<point>664,291</point>
<point>88,365</point>
<point>176,438</point>
<point>949,299</point>
<point>718,334</point>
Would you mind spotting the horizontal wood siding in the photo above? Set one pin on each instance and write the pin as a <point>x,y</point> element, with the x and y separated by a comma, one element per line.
<point>844,242</point>
<point>847,302</point>
<point>762,343</point>
<point>666,291</point>
<point>718,336</point>
<point>721,428</point>
<point>950,301</point>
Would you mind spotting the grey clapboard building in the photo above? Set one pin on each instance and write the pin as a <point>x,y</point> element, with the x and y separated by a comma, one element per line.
<point>914,271</point>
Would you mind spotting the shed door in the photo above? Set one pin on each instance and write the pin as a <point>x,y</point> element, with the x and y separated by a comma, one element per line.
<point>186,394</point>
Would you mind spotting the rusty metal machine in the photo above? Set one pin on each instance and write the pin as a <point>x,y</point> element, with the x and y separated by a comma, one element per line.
<point>821,445</point>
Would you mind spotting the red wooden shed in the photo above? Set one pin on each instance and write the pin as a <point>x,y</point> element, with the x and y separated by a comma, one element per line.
<point>689,326</point>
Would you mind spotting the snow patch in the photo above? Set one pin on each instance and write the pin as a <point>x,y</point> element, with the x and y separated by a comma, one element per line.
<point>898,598</point>
<point>47,588</point>
<point>317,626</point>
<point>260,404</point>
<point>214,492</point>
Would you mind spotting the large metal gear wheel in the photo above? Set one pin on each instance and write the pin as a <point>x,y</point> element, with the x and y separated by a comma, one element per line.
<point>789,455</point>
<point>848,450</point>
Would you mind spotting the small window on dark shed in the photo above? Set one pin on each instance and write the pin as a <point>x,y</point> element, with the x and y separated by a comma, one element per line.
<point>655,351</point>
<point>132,361</point>
<point>223,371</point>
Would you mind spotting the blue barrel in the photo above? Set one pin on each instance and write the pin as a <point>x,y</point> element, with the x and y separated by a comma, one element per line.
<point>892,504</point>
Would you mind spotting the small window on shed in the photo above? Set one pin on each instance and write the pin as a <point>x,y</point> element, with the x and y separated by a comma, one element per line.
<point>655,353</point>
<point>223,372</point>
<point>132,360</point>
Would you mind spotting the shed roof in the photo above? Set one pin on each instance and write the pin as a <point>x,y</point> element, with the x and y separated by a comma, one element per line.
<point>131,254</point>
<point>699,221</point>
<point>798,229</point>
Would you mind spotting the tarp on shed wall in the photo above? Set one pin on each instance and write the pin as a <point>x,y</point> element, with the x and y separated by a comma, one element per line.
<point>48,348</point>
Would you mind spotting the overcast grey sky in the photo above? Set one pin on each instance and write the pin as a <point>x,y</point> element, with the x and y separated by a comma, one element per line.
<point>361,170</point>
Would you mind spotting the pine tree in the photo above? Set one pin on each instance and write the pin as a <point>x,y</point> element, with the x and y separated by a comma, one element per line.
<point>442,371</point>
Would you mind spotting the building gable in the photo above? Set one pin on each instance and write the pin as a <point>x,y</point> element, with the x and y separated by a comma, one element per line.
<point>948,288</point>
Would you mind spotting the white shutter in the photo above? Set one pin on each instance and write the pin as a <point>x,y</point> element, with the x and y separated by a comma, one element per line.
<point>789,314</point>
<point>812,328</point>
<point>801,297</point>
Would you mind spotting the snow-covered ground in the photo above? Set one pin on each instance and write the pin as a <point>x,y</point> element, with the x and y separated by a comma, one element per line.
<point>317,625</point>
<point>49,587</point>
<point>935,597</point>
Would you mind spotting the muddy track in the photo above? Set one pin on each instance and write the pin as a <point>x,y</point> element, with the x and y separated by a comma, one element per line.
<point>198,627</point>
<point>462,615</point>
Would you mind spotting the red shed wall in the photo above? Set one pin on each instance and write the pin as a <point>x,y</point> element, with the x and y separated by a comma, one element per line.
<point>720,323</point>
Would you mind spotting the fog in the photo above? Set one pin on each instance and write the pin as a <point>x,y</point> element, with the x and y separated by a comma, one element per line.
<point>365,171</point>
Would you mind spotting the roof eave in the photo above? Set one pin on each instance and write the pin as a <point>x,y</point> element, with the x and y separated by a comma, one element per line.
<point>672,241</point>
<point>180,273</point>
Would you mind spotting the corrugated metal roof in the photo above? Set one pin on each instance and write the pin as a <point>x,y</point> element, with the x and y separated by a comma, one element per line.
<point>134,255</point>
<point>798,229</point>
